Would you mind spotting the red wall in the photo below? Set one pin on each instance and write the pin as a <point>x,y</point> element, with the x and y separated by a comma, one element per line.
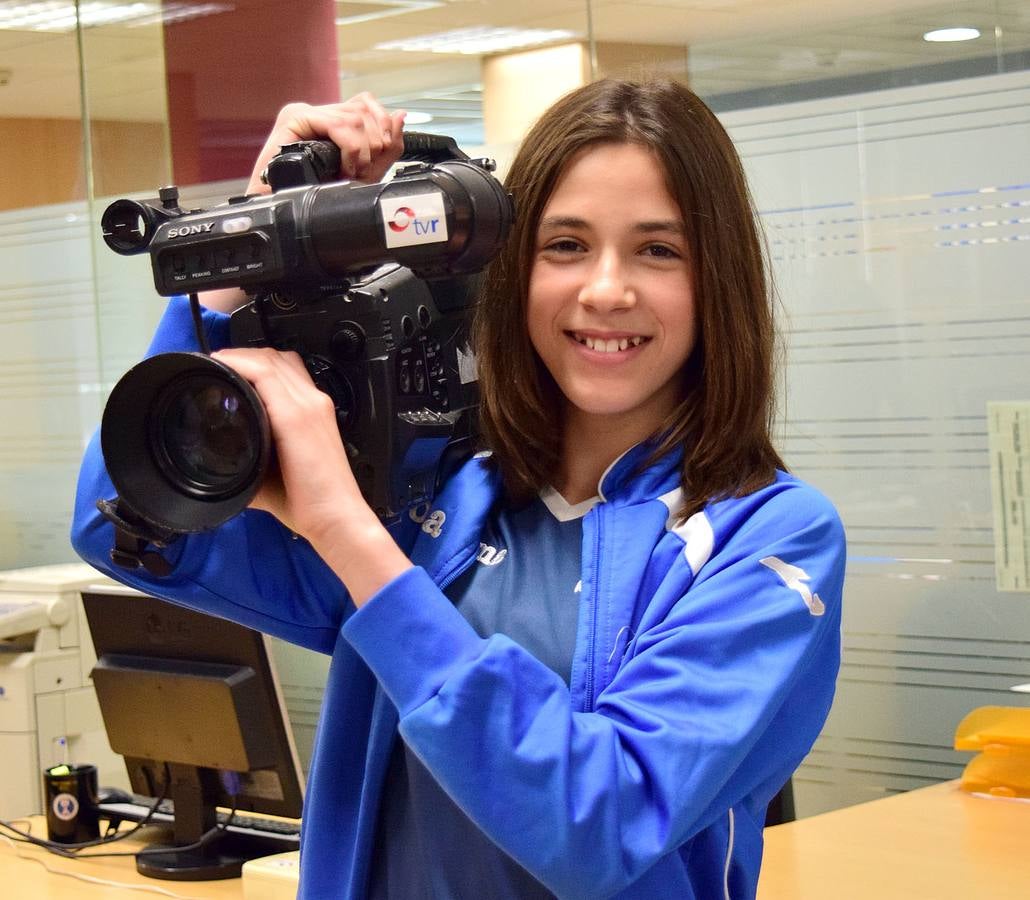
<point>228,75</point>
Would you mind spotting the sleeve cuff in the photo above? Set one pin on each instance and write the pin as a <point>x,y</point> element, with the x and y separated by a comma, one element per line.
<point>412,638</point>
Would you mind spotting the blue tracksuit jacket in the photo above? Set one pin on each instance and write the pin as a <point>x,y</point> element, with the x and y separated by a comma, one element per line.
<point>704,667</point>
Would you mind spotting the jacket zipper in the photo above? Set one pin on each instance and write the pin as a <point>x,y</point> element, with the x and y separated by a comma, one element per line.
<point>588,687</point>
<point>445,581</point>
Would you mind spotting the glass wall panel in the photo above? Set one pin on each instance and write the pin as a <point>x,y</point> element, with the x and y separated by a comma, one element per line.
<point>799,51</point>
<point>45,284</point>
<point>891,175</point>
<point>40,113</point>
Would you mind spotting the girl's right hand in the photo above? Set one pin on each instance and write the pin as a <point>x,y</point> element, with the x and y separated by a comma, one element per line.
<point>369,136</point>
<point>370,139</point>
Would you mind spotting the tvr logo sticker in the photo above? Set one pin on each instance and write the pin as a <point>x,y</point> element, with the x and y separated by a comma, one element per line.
<point>796,579</point>
<point>402,218</point>
<point>414,219</point>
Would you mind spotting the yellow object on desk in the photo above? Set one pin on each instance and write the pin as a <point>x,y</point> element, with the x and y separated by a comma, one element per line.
<point>1002,735</point>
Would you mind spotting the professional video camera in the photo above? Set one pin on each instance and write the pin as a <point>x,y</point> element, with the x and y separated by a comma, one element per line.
<point>369,283</point>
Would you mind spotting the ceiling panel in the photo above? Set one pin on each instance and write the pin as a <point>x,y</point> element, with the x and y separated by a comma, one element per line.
<point>733,45</point>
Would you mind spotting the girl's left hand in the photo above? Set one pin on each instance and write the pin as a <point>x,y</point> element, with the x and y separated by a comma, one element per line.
<point>312,488</point>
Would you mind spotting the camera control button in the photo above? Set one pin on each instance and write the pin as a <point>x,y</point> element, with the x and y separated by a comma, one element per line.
<point>237,224</point>
<point>349,342</point>
<point>413,169</point>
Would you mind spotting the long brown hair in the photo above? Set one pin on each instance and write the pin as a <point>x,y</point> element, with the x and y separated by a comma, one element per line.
<point>723,422</point>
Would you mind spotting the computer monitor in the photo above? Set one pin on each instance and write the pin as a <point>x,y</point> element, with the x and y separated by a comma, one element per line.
<point>193,704</point>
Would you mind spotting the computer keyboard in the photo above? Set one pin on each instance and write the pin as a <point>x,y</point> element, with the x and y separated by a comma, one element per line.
<point>279,831</point>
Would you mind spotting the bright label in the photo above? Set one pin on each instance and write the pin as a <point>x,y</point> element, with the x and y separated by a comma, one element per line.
<point>1008,432</point>
<point>414,220</point>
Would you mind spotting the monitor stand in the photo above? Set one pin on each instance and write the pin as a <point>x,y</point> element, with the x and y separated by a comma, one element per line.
<point>193,791</point>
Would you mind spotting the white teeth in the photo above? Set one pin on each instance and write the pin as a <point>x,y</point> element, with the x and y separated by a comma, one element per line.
<point>613,345</point>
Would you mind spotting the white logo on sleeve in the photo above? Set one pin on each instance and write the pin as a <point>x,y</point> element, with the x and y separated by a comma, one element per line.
<point>796,579</point>
<point>433,524</point>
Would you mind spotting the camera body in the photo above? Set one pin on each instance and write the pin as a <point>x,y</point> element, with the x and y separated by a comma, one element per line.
<point>437,219</point>
<point>370,283</point>
<point>399,369</point>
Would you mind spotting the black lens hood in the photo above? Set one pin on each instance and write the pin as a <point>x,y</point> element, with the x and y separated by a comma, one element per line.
<point>143,480</point>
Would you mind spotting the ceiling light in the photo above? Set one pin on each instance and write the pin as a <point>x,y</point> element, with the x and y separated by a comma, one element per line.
<point>478,40</point>
<point>949,35</point>
<point>381,9</point>
<point>170,13</point>
<point>414,117</point>
<point>61,15</point>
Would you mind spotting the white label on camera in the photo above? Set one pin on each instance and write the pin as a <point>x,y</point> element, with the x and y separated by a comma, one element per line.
<point>467,365</point>
<point>65,806</point>
<point>419,219</point>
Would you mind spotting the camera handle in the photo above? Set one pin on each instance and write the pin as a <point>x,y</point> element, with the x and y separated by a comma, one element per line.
<point>132,536</point>
<point>318,162</point>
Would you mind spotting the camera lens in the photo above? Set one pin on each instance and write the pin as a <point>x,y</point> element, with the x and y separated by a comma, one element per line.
<point>203,435</point>
<point>186,441</point>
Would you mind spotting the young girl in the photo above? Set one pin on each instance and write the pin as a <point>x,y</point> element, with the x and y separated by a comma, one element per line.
<point>589,668</point>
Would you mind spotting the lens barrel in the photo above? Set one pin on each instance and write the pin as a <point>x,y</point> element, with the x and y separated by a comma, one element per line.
<point>186,441</point>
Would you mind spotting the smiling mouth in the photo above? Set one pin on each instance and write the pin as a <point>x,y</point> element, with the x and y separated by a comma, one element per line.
<point>608,345</point>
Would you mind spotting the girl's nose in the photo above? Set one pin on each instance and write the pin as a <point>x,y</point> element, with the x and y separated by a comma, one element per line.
<point>606,287</point>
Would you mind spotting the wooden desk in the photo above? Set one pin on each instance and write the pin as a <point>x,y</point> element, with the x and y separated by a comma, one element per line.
<point>26,879</point>
<point>936,843</point>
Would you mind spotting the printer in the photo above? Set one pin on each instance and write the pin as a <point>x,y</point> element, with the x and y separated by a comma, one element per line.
<point>48,710</point>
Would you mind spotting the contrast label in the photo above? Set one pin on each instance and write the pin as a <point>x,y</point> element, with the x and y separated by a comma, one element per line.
<point>419,219</point>
<point>1008,434</point>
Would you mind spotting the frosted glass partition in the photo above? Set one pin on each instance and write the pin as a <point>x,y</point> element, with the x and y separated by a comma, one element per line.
<point>74,316</point>
<point>899,228</point>
<point>48,368</point>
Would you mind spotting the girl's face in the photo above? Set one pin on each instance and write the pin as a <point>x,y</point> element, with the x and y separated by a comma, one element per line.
<point>611,306</point>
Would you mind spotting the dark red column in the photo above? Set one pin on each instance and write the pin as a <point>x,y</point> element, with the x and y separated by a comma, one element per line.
<point>229,73</point>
